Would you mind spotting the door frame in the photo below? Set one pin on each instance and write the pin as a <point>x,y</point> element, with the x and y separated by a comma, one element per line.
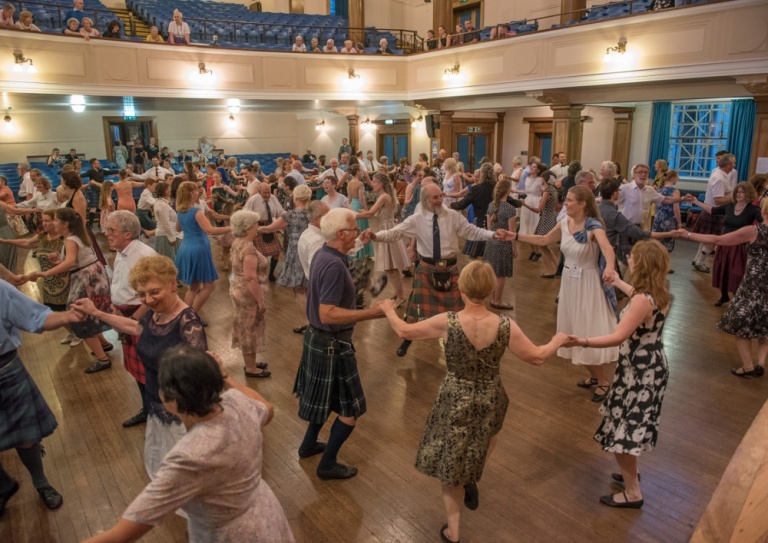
<point>538,127</point>
<point>460,127</point>
<point>397,129</point>
<point>107,139</point>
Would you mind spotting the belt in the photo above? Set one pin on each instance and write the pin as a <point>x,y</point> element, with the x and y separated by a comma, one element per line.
<point>444,263</point>
<point>341,335</point>
<point>6,358</point>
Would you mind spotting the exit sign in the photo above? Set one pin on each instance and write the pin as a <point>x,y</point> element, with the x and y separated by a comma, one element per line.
<point>474,129</point>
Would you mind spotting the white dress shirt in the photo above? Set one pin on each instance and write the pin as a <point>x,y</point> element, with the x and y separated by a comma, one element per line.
<point>154,172</point>
<point>41,201</point>
<point>125,260</point>
<point>310,242</point>
<point>453,225</point>
<point>146,200</point>
<point>336,174</point>
<point>560,171</point>
<point>27,186</point>
<point>166,220</point>
<point>733,180</point>
<point>256,203</point>
<point>717,187</point>
<point>634,201</point>
<point>298,177</point>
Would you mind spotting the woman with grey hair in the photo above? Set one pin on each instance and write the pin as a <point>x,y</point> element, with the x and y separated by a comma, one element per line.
<point>294,222</point>
<point>249,279</point>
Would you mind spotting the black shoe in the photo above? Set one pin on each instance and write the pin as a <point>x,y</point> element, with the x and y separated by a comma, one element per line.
<point>98,366</point>
<point>138,418</point>
<point>339,471</point>
<point>5,496</point>
<point>51,498</point>
<point>619,478</point>
<point>318,448</point>
<point>600,393</point>
<point>402,350</point>
<point>379,284</point>
<point>530,256</point>
<point>272,278</point>
<point>444,538</point>
<point>759,371</point>
<point>609,501</point>
<point>471,496</point>
<point>722,301</point>
<point>203,323</point>
<point>701,268</point>
<point>407,273</point>
<point>300,329</point>
<point>261,375</point>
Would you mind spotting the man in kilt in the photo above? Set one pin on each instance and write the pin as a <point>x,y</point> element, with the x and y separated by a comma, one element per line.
<point>267,206</point>
<point>327,379</point>
<point>436,230</point>
<point>25,418</point>
<point>718,193</point>
<point>122,231</point>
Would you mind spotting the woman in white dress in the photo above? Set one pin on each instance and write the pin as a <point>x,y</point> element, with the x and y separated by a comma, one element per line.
<point>451,181</point>
<point>389,258</point>
<point>587,304</point>
<point>529,220</point>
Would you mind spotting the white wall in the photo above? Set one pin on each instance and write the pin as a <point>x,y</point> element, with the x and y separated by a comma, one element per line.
<point>597,138</point>
<point>38,132</point>
<point>322,142</point>
<point>406,14</point>
<point>516,132</point>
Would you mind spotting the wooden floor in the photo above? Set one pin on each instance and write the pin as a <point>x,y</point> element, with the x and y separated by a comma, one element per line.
<point>542,483</point>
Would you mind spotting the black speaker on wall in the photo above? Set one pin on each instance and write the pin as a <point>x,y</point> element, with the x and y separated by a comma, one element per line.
<point>431,125</point>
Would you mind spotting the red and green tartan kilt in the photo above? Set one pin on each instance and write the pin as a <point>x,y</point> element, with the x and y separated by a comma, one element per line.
<point>709,224</point>
<point>425,301</point>
<point>268,248</point>
<point>131,361</point>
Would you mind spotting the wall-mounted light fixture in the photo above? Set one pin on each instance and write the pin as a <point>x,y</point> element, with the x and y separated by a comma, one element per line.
<point>8,125</point>
<point>320,125</point>
<point>77,103</point>
<point>613,53</point>
<point>352,75</point>
<point>418,123</point>
<point>233,105</point>
<point>354,81</point>
<point>452,74</point>
<point>203,71</point>
<point>22,64</point>
<point>231,120</point>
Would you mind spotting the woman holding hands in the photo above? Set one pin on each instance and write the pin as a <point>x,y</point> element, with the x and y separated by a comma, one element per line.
<point>631,412</point>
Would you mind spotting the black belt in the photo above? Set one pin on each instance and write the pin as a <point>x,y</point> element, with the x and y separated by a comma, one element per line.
<point>341,335</point>
<point>445,263</point>
<point>6,358</point>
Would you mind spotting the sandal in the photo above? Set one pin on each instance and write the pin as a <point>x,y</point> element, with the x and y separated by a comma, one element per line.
<point>741,372</point>
<point>587,383</point>
<point>598,396</point>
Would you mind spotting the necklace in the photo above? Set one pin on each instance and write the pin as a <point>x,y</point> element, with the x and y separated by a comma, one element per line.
<point>158,316</point>
<point>476,318</point>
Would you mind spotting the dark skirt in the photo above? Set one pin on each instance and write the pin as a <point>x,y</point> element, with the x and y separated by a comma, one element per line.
<point>709,224</point>
<point>426,301</point>
<point>474,249</point>
<point>327,380</point>
<point>25,418</point>
<point>728,268</point>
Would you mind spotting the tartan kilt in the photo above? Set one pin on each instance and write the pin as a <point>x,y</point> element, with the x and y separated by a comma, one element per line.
<point>326,382</point>
<point>425,301</point>
<point>709,224</point>
<point>131,361</point>
<point>268,248</point>
<point>25,418</point>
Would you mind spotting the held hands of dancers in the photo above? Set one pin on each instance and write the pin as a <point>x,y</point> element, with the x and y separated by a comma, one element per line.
<point>366,236</point>
<point>575,341</point>
<point>84,307</point>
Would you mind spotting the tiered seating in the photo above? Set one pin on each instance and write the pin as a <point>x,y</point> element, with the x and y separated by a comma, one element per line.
<point>616,9</point>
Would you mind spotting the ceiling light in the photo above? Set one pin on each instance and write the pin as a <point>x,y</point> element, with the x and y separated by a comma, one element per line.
<point>452,74</point>
<point>613,53</point>
<point>20,61</point>
<point>233,105</point>
<point>77,103</point>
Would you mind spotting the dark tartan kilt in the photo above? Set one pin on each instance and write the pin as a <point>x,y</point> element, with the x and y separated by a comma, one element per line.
<point>326,382</point>
<point>729,266</point>
<point>271,248</point>
<point>709,224</point>
<point>131,361</point>
<point>425,301</point>
<point>25,418</point>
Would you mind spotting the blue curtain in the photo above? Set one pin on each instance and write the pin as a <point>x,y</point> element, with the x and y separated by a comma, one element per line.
<point>743,116</point>
<point>661,121</point>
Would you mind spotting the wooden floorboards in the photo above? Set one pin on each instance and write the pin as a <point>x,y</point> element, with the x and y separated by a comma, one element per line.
<point>542,483</point>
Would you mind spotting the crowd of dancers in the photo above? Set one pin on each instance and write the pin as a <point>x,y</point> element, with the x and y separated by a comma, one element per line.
<point>344,232</point>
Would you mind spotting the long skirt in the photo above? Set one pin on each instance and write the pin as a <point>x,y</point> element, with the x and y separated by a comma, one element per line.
<point>90,282</point>
<point>25,418</point>
<point>164,247</point>
<point>728,267</point>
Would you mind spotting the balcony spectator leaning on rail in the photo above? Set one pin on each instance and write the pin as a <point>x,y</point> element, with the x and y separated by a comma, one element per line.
<point>88,30</point>
<point>113,30</point>
<point>72,28</point>
<point>299,46</point>
<point>314,46</point>
<point>154,36</point>
<point>383,47</point>
<point>472,35</point>
<point>6,16</point>
<point>349,48</point>
<point>330,46</point>
<point>430,44</point>
<point>75,13</point>
<point>25,22</point>
<point>178,30</point>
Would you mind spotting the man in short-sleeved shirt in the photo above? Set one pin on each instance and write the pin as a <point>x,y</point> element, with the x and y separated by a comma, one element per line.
<point>718,193</point>
<point>635,198</point>
<point>327,380</point>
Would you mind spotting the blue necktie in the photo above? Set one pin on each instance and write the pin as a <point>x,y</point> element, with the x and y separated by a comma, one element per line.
<point>435,238</point>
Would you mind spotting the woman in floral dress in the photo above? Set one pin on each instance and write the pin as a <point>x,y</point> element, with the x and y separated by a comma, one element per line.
<point>632,408</point>
<point>471,404</point>
<point>667,216</point>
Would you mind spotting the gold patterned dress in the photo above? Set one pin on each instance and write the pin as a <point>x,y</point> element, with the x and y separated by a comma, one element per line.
<point>56,288</point>
<point>469,409</point>
<point>248,325</point>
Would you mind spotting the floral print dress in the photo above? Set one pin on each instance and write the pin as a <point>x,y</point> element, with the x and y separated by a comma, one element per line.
<point>469,410</point>
<point>665,220</point>
<point>248,325</point>
<point>632,409</point>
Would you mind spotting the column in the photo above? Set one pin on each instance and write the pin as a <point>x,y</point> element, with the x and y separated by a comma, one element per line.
<point>567,6</point>
<point>622,136</point>
<point>354,132</point>
<point>356,20</point>
<point>760,137</point>
<point>446,131</point>
<point>566,131</point>
<point>442,14</point>
<point>500,137</point>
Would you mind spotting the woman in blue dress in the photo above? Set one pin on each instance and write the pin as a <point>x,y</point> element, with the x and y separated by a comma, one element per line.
<point>667,218</point>
<point>194,259</point>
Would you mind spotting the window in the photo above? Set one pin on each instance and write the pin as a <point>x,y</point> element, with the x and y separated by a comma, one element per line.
<point>698,131</point>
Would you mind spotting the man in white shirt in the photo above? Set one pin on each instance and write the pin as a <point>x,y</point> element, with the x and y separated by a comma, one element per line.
<point>635,198</point>
<point>733,175</point>
<point>437,230</point>
<point>311,239</point>
<point>718,193</point>
<point>296,168</point>
<point>269,210</point>
<point>156,172</point>
<point>27,187</point>
<point>559,168</point>
<point>369,162</point>
<point>122,231</point>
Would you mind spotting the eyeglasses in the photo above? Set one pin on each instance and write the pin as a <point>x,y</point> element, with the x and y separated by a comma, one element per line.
<point>110,231</point>
<point>355,229</point>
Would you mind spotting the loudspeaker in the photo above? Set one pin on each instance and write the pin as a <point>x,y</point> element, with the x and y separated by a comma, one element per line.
<point>431,125</point>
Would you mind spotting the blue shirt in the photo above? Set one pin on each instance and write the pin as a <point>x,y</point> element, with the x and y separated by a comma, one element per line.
<point>18,313</point>
<point>74,14</point>
<point>330,283</point>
